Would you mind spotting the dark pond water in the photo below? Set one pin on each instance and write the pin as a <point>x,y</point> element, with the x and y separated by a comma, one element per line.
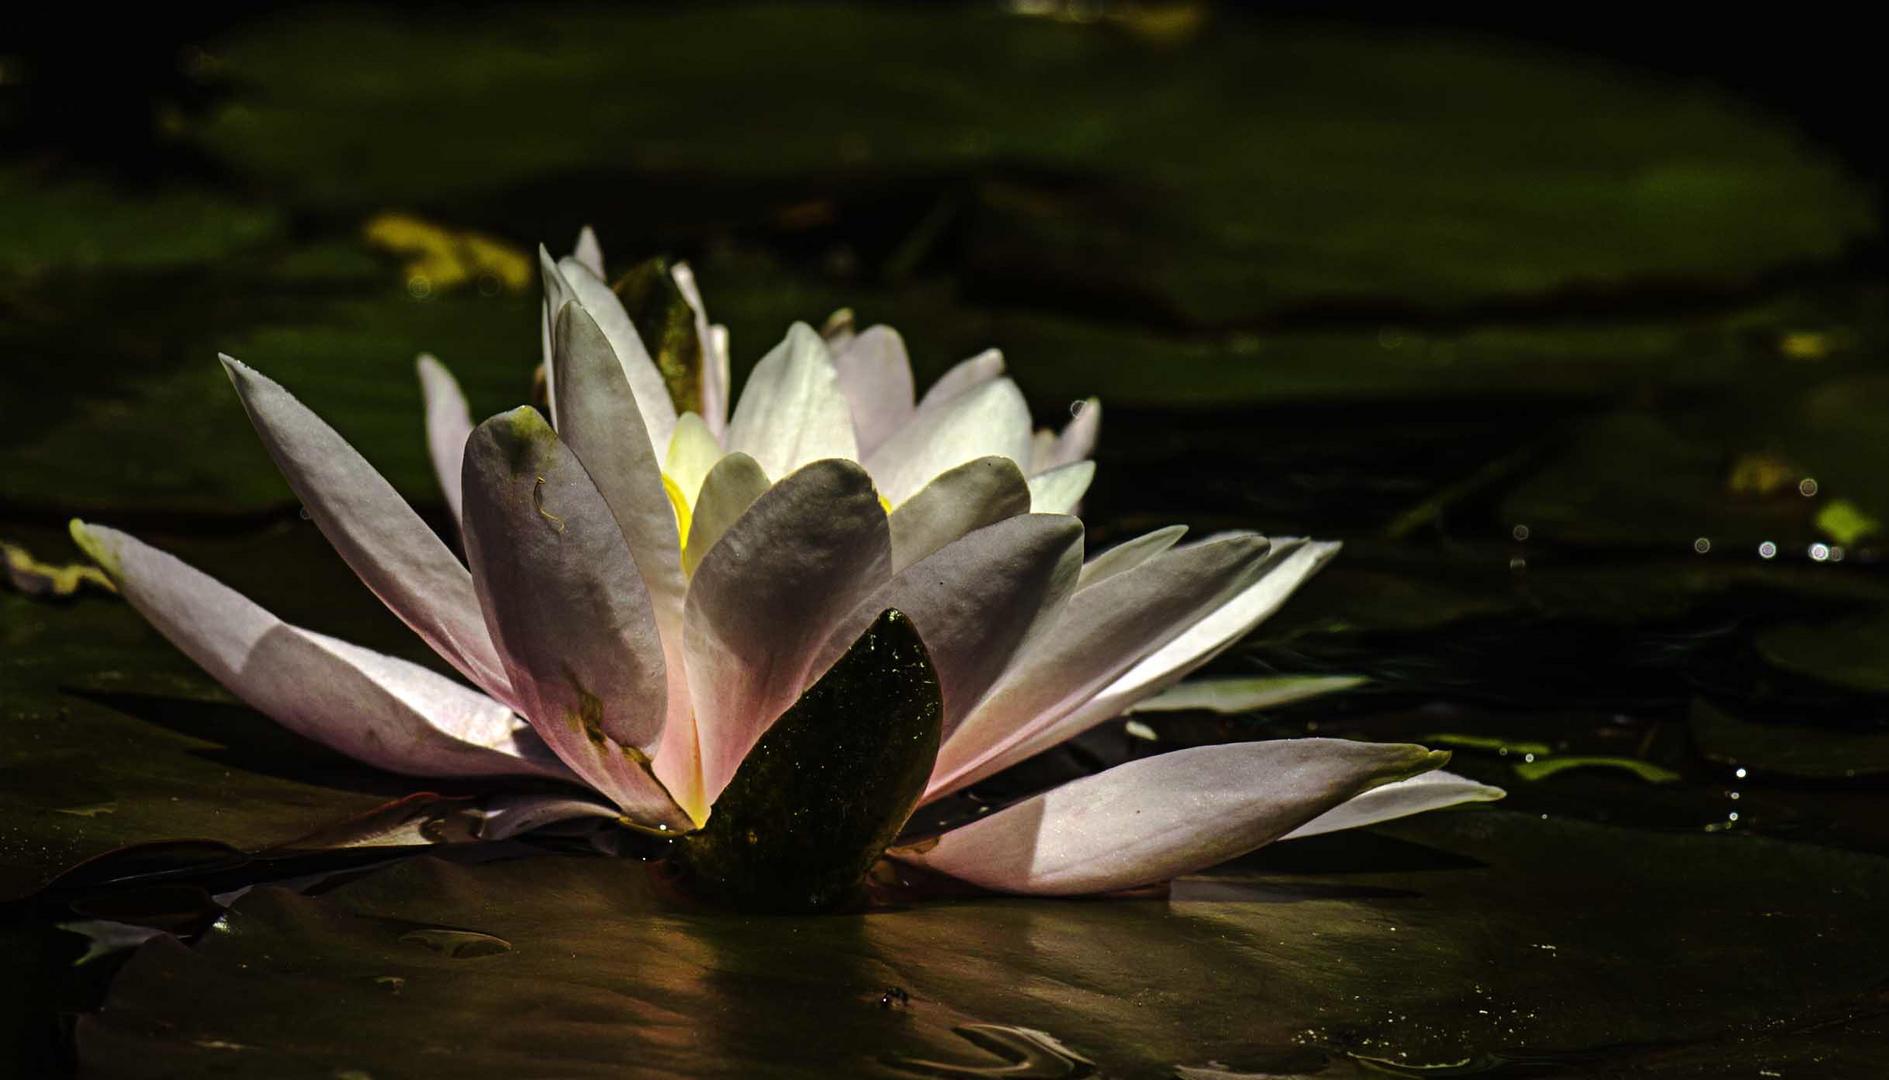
<point>1584,365</point>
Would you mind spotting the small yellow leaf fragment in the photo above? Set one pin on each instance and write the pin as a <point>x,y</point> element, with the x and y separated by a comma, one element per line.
<point>1761,475</point>
<point>439,258</point>
<point>34,578</point>
<point>1804,345</point>
<point>1844,522</point>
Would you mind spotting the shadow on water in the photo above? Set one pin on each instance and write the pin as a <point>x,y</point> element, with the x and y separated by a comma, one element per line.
<point>245,739</point>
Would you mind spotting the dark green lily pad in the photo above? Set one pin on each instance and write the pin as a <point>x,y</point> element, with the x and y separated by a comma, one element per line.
<point>1851,653</point>
<point>1475,936</point>
<point>827,787</point>
<point>58,225</point>
<point>1789,749</point>
<point>1423,169</point>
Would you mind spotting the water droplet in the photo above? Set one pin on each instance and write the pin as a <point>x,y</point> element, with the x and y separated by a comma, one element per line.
<point>1820,552</point>
<point>457,944</point>
<point>1739,772</point>
<point>1702,545</point>
<point>1767,550</point>
<point>1519,532</point>
<point>419,287</point>
<point>1807,486</point>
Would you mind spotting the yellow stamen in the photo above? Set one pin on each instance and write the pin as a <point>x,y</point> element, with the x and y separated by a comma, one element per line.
<point>680,505</point>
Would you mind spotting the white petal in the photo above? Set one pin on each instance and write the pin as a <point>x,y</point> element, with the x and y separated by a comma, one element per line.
<point>1243,694</point>
<point>1131,553</point>
<point>964,376</point>
<point>765,599</point>
<point>975,601</point>
<point>1077,440</point>
<point>1104,631</point>
<point>730,488</point>
<point>603,427</point>
<point>567,608</point>
<point>792,411</point>
<point>1153,819</point>
<point>1060,490</point>
<point>991,419</point>
<point>588,251</point>
<point>373,708</point>
<point>448,422</point>
<point>374,529</point>
<point>1430,791</point>
<point>1291,564</point>
<point>652,394</point>
<point>506,816</point>
<point>876,377</point>
<point>557,293</point>
<point>714,341</point>
<point>1219,625</point>
<point>971,496</point>
<point>693,451</point>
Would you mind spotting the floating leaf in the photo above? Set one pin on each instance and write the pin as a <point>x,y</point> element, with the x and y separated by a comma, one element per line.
<point>1789,749</point>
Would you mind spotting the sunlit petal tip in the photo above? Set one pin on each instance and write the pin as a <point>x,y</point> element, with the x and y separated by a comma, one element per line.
<point>588,250</point>
<point>1157,818</point>
<point>371,526</point>
<point>448,423</point>
<point>377,709</point>
<point>793,411</point>
<point>1060,490</point>
<point>1415,795</point>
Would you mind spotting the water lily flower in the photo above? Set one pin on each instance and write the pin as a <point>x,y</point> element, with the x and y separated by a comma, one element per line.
<point>773,632</point>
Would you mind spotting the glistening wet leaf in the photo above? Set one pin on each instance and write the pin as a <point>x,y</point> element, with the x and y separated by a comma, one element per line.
<point>1480,935</point>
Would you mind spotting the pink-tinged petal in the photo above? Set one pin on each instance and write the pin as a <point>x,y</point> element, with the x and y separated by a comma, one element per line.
<point>1105,629</point>
<point>727,492</point>
<point>448,422</point>
<point>1060,490</point>
<point>1151,820</point>
<point>1076,442</point>
<point>1430,791</point>
<point>505,816</point>
<point>964,376</point>
<point>876,377</point>
<point>373,528</point>
<point>568,610</point>
<point>588,251</point>
<point>976,601</point>
<point>1292,563</point>
<point>373,708</point>
<point>603,427</point>
<point>652,394</point>
<point>766,598</point>
<point>988,420</point>
<point>1243,694</point>
<point>792,411</point>
<point>971,496</point>
<point>714,341</point>
<point>1131,553</point>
